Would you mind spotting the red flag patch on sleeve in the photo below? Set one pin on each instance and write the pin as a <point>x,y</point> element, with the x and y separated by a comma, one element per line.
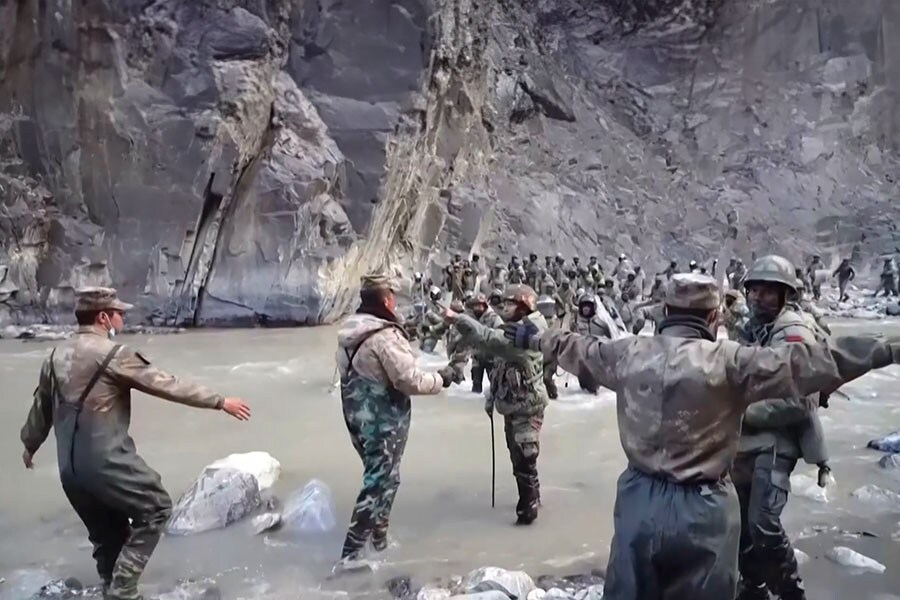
<point>793,338</point>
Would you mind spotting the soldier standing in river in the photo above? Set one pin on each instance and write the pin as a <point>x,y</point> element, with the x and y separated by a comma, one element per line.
<point>481,362</point>
<point>84,394</point>
<point>378,375</point>
<point>845,274</point>
<point>811,270</point>
<point>671,270</point>
<point>517,391</point>
<point>565,301</point>
<point>775,434</point>
<point>677,516</point>
<point>888,279</point>
<point>517,273</point>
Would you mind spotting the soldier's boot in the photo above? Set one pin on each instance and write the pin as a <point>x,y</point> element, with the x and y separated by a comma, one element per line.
<point>788,584</point>
<point>527,507</point>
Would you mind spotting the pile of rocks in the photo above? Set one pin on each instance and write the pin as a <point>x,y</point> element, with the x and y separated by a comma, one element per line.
<point>494,583</point>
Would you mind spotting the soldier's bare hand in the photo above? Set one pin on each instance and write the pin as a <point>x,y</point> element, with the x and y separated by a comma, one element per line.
<point>449,315</point>
<point>28,459</point>
<point>237,408</point>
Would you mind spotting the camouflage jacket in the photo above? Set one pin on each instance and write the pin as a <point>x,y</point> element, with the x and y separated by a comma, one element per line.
<point>382,354</point>
<point>734,319</point>
<point>788,426</point>
<point>592,326</point>
<point>102,421</point>
<point>681,398</point>
<point>517,378</point>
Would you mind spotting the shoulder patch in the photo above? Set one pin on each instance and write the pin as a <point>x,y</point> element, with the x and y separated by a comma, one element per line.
<point>793,338</point>
<point>142,358</point>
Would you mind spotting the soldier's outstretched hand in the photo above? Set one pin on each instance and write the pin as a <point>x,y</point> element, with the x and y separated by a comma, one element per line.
<point>237,408</point>
<point>28,459</point>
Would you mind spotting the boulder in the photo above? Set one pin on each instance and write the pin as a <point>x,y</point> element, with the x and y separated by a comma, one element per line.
<point>515,584</point>
<point>433,593</point>
<point>878,498</point>
<point>888,443</point>
<point>594,592</point>
<point>261,465</point>
<point>808,487</point>
<point>266,522</point>
<point>801,556</point>
<point>890,463</point>
<point>218,498</point>
<point>854,560</point>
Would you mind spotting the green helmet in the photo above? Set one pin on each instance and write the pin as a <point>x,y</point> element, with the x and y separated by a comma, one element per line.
<point>522,295</point>
<point>773,269</point>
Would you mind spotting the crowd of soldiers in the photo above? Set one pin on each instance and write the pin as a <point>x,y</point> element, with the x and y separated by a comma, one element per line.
<point>712,428</point>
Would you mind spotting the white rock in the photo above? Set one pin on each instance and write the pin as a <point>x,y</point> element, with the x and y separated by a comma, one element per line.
<point>515,584</point>
<point>808,487</point>
<point>537,594</point>
<point>491,595</point>
<point>557,594</point>
<point>854,560</point>
<point>801,556</point>
<point>594,592</point>
<point>24,583</point>
<point>261,465</point>
<point>310,509</point>
<point>265,522</point>
<point>433,593</point>
<point>878,497</point>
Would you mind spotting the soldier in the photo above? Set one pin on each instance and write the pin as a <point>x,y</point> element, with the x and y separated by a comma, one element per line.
<point>481,363</point>
<point>737,278</point>
<point>431,325</point>
<point>458,353</point>
<point>776,433</point>
<point>565,301</point>
<point>671,270</point>
<point>531,271</point>
<point>812,269</point>
<point>658,291</point>
<point>845,274</point>
<point>730,269</point>
<point>378,376</point>
<point>546,285</point>
<point>419,290</point>
<point>677,517</point>
<point>469,278</point>
<point>693,267</point>
<point>888,279</point>
<point>548,264</point>
<point>734,314</point>
<point>457,287</point>
<point>498,278</point>
<point>630,286</point>
<point>559,269</point>
<point>516,272</point>
<point>623,268</point>
<point>802,281</point>
<point>478,272</point>
<point>586,322</point>
<point>84,394</point>
<point>595,269</point>
<point>517,391</point>
<point>496,298</point>
<point>546,305</point>
<point>639,282</point>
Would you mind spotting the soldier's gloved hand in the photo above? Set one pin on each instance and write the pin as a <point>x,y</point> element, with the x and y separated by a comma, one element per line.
<point>448,375</point>
<point>489,408</point>
<point>520,334</point>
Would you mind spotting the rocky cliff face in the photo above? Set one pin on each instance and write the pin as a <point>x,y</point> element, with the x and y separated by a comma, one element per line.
<point>244,161</point>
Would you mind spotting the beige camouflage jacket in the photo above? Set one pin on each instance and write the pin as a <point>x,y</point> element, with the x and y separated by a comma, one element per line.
<point>680,400</point>
<point>382,355</point>
<point>108,404</point>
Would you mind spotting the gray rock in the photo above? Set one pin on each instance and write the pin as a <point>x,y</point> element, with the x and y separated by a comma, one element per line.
<point>877,497</point>
<point>266,522</point>
<point>491,595</point>
<point>854,561</point>
<point>218,498</point>
<point>515,584</point>
<point>891,463</point>
<point>889,443</point>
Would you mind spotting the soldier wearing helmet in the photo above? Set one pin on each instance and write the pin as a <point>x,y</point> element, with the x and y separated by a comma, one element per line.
<point>671,270</point>
<point>532,272</point>
<point>431,324</point>
<point>496,298</point>
<point>734,314</point>
<point>775,435</point>
<point>737,278</point>
<point>481,309</point>
<point>517,391</point>
<point>516,271</point>
<point>623,268</point>
<point>888,279</point>
<point>845,274</point>
<point>587,322</point>
<point>815,281</point>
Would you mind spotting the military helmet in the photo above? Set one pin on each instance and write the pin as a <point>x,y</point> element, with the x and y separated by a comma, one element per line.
<point>773,269</point>
<point>417,276</point>
<point>733,294</point>
<point>435,293</point>
<point>496,297</point>
<point>587,298</point>
<point>468,295</point>
<point>522,295</point>
<point>621,257</point>
<point>457,306</point>
<point>576,260</point>
<point>457,257</point>
<point>532,256</point>
<point>477,299</point>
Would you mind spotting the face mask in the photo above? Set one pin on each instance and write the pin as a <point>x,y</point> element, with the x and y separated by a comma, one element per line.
<point>111,333</point>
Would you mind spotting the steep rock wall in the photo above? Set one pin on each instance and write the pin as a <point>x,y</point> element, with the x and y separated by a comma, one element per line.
<point>240,162</point>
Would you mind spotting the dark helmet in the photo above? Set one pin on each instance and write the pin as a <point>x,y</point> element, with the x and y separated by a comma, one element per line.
<point>816,256</point>
<point>417,276</point>
<point>576,260</point>
<point>631,276</point>
<point>560,259</point>
<point>637,269</point>
<point>587,298</point>
<point>475,258</point>
<point>514,259</point>
<point>468,295</point>
<point>773,269</point>
<point>522,295</point>
<point>673,263</point>
<point>477,299</point>
<point>593,259</point>
<point>692,264</point>
<point>457,257</point>
<point>532,257</point>
<point>435,293</point>
<point>496,297</point>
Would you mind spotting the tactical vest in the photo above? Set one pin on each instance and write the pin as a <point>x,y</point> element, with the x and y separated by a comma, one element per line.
<point>517,382</point>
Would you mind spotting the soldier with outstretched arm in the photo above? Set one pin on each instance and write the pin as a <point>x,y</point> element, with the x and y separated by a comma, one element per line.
<point>681,396</point>
<point>84,394</point>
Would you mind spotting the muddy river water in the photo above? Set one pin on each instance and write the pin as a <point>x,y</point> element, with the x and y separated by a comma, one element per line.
<point>443,522</point>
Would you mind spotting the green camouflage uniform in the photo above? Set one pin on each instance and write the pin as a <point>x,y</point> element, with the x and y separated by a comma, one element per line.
<point>120,500</point>
<point>518,393</point>
<point>481,361</point>
<point>378,376</point>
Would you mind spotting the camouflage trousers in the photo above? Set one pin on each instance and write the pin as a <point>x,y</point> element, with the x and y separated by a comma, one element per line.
<point>378,423</point>
<point>125,517</point>
<point>523,441</point>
